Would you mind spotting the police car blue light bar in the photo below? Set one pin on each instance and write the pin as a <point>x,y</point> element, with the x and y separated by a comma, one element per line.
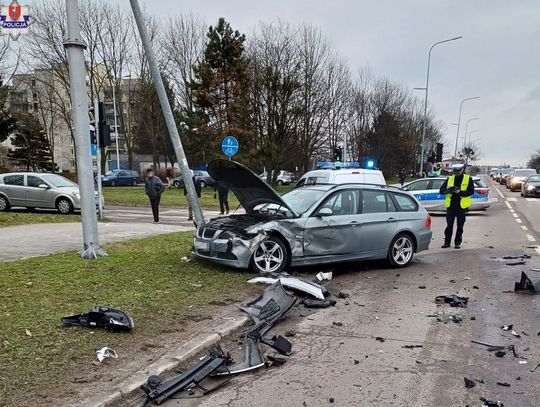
<point>323,165</point>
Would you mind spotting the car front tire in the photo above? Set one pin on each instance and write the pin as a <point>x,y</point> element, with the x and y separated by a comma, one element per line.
<point>280,183</point>
<point>202,184</point>
<point>270,256</point>
<point>401,251</point>
<point>4,204</point>
<point>113,184</point>
<point>64,206</point>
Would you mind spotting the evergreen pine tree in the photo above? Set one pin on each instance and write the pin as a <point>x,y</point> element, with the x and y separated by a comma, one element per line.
<point>31,146</point>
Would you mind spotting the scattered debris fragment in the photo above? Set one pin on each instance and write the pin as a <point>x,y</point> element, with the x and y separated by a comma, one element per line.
<point>27,332</point>
<point>380,339</point>
<point>516,263</point>
<point>293,283</point>
<point>453,300</point>
<point>275,360</point>
<point>516,334</point>
<point>412,346</point>
<point>101,317</point>
<point>536,367</point>
<point>317,303</point>
<point>504,384</point>
<point>490,403</point>
<point>324,276</point>
<point>507,327</point>
<point>157,391</point>
<point>290,334</point>
<point>523,362</point>
<point>422,287</point>
<point>456,318</point>
<point>105,353</point>
<point>490,348</point>
<point>343,295</point>
<point>469,384</point>
<point>523,256</point>
<point>537,270</point>
<point>337,323</point>
<point>525,284</point>
<point>500,353</point>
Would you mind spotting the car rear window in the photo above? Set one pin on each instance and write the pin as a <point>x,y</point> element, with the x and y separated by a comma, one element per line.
<point>14,180</point>
<point>534,178</point>
<point>523,173</point>
<point>406,203</point>
<point>478,183</point>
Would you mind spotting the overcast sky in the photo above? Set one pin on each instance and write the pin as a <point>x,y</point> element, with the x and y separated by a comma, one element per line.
<point>498,58</point>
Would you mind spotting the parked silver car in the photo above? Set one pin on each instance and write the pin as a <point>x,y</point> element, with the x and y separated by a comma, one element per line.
<point>39,190</point>
<point>311,225</point>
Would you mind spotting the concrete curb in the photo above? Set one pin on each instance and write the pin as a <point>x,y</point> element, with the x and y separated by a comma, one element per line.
<point>167,362</point>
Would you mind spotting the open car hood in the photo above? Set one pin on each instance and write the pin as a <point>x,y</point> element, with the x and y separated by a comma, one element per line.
<point>245,184</point>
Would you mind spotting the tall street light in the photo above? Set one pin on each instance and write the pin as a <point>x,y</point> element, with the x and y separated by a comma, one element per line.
<point>426,100</point>
<point>459,121</point>
<point>471,132</point>
<point>467,129</point>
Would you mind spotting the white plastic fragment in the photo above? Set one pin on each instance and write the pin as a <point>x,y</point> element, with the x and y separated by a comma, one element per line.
<point>105,353</point>
<point>324,276</point>
<point>294,283</point>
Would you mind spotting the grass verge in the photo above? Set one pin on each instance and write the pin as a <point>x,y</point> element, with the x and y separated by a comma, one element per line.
<point>145,277</point>
<point>27,218</point>
<point>135,196</point>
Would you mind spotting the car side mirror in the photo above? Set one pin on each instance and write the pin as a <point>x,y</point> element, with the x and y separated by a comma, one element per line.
<point>405,188</point>
<point>44,186</point>
<point>325,212</point>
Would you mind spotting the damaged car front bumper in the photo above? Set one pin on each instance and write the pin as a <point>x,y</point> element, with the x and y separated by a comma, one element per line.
<point>225,248</point>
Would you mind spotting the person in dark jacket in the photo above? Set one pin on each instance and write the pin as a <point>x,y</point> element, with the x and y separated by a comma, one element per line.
<point>458,190</point>
<point>222,189</point>
<point>198,191</point>
<point>153,188</point>
<point>402,176</point>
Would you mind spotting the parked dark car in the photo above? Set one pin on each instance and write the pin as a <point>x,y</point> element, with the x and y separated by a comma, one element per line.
<point>120,177</point>
<point>531,186</point>
<point>202,177</point>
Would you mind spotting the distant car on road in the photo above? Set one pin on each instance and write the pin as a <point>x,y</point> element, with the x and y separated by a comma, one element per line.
<point>531,186</point>
<point>202,177</point>
<point>283,178</point>
<point>120,177</point>
<point>517,177</point>
<point>503,175</point>
<point>39,190</point>
<point>426,190</point>
<point>315,224</point>
<point>342,176</point>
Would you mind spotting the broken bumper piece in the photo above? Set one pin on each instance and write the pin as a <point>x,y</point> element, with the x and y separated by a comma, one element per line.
<point>265,312</point>
<point>294,283</point>
<point>526,285</point>
<point>102,317</point>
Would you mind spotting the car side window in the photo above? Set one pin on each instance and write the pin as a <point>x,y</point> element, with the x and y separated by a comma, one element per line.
<point>406,203</point>
<point>437,184</point>
<point>343,202</point>
<point>374,201</point>
<point>390,205</point>
<point>418,185</point>
<point>33,181</point>
<point>122,174</point>
<point>14,180</point>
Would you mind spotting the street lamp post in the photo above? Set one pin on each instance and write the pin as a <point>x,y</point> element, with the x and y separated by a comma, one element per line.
<point>459,121</point>
<point>471,132</point>
<point>116,126</point>
<point>426,100</point>
<point>467,129</point>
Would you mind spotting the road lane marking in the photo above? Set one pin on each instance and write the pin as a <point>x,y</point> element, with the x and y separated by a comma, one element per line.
<point>518,220</point>
<point>531,238</point>
<point>511,199</point>
<point>494,199</point>
<point>524,228</point>
<point>508,204</point>
<point>538,250</point>
<point>515,215</point>
<point>532,200</point>
<point>499,192</point>
<point>513,211</point>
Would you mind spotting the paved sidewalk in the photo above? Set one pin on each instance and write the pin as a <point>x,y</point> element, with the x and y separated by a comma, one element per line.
<point>18,242</point>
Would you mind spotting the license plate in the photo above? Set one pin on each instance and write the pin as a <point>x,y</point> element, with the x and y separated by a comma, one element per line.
<point>202,246</point>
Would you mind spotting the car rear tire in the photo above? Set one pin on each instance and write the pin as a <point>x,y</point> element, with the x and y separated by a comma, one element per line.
<point>134,183</point>
<point>401,251</point>
<point>280,182</point>
<point>202,184</point>
<point>64,206</point>
<point>270,256</point>
<point>113,184</point>
<point>4,204</point>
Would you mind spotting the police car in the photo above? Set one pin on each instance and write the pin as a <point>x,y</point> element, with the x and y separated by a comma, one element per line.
<point>426,190</point>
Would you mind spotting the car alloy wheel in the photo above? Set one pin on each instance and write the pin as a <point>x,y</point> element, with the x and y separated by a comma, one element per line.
<point>202,184</point>
<point>113,184</point>
<point>134,183</point>
<point>64,206</point>
<point>401,250</point>
<point>280,182</point>
<point>4,204</point>
<point>270,256</point>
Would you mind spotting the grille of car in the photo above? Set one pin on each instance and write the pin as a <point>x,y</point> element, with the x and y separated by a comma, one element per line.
<point>207,233</point>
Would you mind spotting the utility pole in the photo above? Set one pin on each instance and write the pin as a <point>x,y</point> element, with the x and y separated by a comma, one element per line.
<point>168,114</point>
<point>97,120</point>
<point>81,124</point>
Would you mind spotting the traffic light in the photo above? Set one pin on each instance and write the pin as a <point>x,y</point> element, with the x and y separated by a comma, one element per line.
<point>439,152</point>
<point>338,154</point>
<point>100,124</point>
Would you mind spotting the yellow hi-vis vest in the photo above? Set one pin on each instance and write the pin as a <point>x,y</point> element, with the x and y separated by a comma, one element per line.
<point>465,200</point>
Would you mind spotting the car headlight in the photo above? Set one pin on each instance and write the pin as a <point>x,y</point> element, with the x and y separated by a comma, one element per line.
<point>76,194</point>
<point>530,187</point>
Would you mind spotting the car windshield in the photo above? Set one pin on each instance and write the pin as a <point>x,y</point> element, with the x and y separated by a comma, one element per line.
<point>534,178</point>
<point>58,181</point>
<point>300,200</point>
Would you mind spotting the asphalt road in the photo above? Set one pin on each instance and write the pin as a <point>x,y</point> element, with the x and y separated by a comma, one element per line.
<point>344,364</point>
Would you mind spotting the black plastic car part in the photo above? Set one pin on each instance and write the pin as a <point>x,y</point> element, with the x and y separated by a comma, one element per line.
<point>526,285</point>
<point>102,317</point>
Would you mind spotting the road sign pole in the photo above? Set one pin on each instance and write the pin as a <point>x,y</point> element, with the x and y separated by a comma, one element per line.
<point>81,124</point>
<point>98,159</point>
<point>168,114</point>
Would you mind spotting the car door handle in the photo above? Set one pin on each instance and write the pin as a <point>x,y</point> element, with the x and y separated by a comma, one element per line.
<point>355,223</point>
<point>391,219</point>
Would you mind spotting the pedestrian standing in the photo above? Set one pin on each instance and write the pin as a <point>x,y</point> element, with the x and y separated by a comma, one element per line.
<point>170,176</point>
<point>222,189</point>
<point>458,189</point>
<point>198,191</point>
<point>153,188</point>
<point>402,176</point>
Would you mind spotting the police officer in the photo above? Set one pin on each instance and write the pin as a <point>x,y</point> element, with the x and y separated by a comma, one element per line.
<point>458,189</point>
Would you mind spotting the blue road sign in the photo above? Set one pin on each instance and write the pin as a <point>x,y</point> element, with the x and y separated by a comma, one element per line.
<point>229,145</point>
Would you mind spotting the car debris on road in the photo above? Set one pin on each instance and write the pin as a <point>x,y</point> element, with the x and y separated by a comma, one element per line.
<point>453,300</point>
<point>102,317</point>
<point>526,285</point>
